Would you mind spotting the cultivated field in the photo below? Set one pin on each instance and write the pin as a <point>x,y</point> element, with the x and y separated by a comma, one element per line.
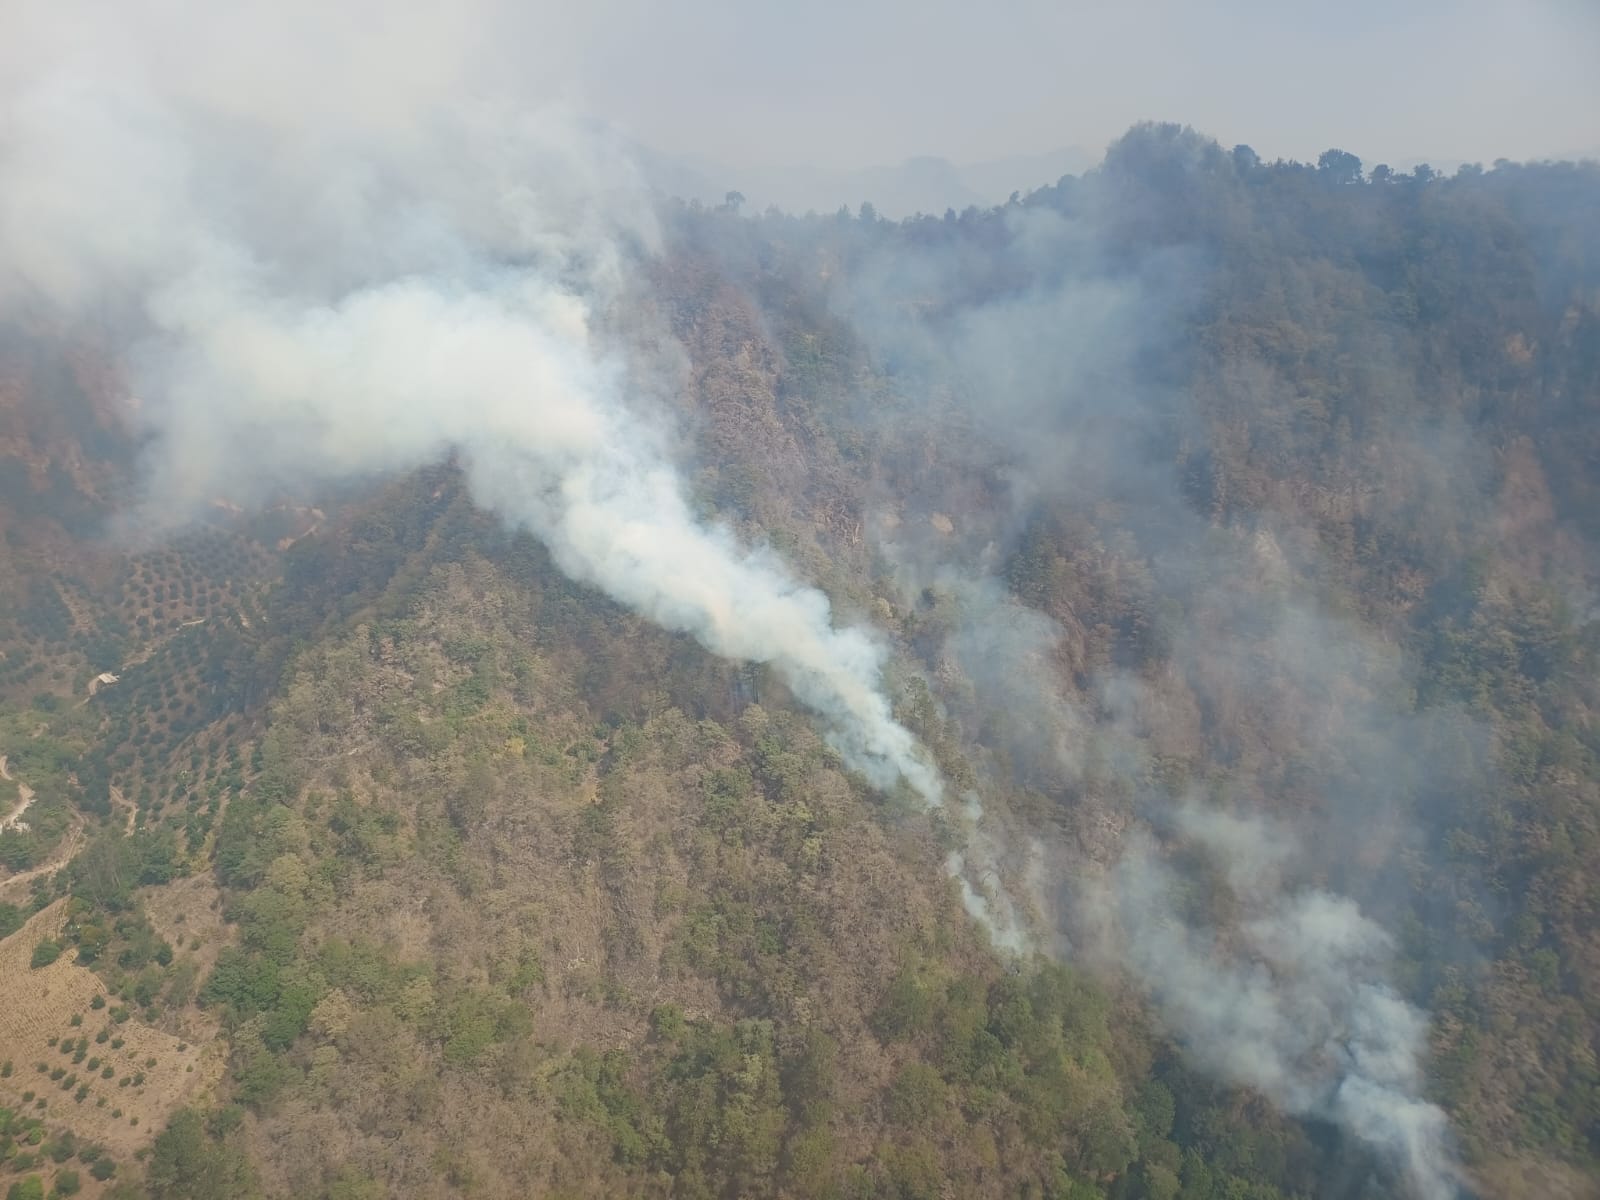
<point>120,1080</point>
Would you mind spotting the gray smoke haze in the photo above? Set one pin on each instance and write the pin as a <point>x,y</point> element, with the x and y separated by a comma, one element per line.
<point>342,243</point>
<point>332,285</point>
<point>1044,372</point>
<point>1291,1002</point>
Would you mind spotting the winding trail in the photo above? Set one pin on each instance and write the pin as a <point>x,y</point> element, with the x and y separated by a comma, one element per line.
<point>25,797</point>
<point>69,846</point>
<point>63,855</point>
<point>122,802</point>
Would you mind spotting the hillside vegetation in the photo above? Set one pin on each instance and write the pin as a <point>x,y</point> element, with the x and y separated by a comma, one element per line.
<point>1195,479</point>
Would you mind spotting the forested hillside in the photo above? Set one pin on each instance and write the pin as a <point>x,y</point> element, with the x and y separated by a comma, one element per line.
<point>1230,531</point>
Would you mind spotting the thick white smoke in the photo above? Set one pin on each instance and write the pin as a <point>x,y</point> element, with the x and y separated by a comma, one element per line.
<point>325,293</point>
<point>506,373</point>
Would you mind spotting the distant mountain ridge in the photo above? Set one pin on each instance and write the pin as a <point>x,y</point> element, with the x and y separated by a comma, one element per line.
<point>922,184</point>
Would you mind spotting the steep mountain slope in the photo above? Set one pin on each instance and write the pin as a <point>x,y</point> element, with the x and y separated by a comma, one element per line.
<point>1231,527</point>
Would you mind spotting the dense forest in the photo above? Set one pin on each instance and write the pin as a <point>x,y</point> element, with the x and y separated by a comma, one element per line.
<point>1229,531</point>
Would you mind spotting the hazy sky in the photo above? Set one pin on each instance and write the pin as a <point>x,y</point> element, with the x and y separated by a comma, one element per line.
<point>851,83</point>
<point>854,82</point>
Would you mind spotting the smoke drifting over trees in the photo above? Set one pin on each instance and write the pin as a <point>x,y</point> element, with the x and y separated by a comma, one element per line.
<point>445,306</point>
<point>1218,537</point>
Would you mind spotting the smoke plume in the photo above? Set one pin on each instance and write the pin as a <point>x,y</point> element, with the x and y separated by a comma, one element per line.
<point>316,293</point>
<point>359,261</point>
<point>1051,351</point>
<point>1291,1000</point>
